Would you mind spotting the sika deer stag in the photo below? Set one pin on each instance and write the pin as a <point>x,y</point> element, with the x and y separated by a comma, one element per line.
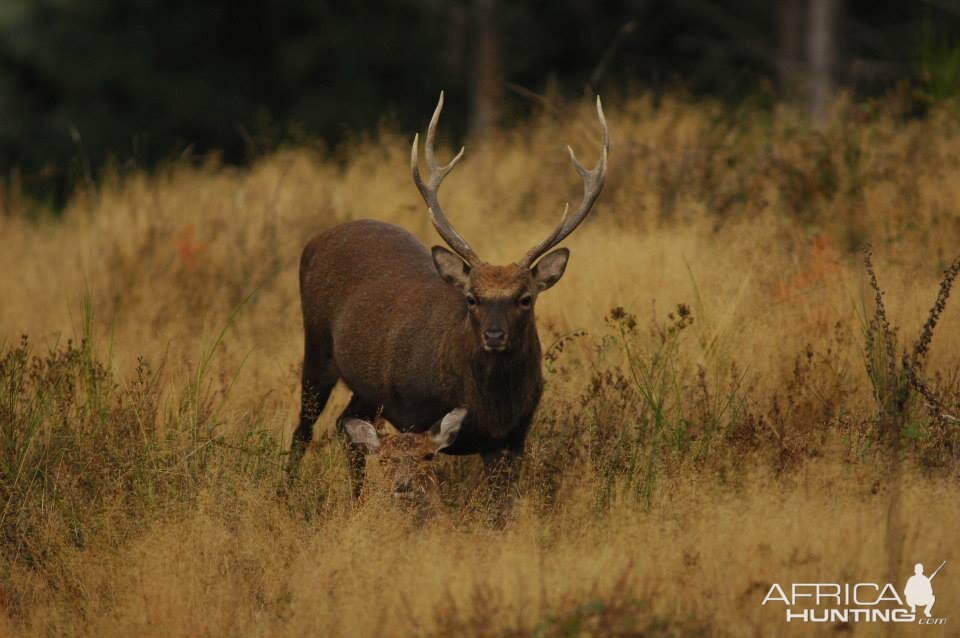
<point>415,334</point>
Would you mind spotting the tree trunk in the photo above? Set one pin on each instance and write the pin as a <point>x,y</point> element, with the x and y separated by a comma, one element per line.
<point>790,27</point>
<point>487,80</point>
<point>455,40</point>
<point>820,58</point>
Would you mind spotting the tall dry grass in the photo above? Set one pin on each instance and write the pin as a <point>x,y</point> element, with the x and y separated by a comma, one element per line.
<point>721,387</point>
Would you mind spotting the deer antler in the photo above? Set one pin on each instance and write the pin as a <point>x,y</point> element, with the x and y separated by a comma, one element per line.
<point>592,184</point>
<point>429,190</point>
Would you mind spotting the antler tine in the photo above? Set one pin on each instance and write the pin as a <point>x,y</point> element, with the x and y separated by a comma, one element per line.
<point>592,185</point>
<point>429,190</point>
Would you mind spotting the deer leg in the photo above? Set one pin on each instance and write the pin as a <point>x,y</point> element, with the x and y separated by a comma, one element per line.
<point>500,471</point>
<point>317,381</point>
<point>358,408</point>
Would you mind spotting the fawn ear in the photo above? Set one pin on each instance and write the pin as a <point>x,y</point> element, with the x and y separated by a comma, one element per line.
<point>363,435</point>
<point>445,432</point>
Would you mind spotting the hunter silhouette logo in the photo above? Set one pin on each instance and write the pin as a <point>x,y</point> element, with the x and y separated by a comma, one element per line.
<point>859,602</point>
<point>919,591</point>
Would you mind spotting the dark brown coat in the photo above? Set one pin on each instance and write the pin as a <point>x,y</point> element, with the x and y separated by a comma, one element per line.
<point>377,315</point>
<point>415,333</point>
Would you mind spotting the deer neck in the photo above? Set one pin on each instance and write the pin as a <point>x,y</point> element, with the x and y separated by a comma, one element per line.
<point>500,387</point>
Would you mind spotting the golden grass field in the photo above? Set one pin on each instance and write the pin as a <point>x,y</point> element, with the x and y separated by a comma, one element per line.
<point>676,468</point>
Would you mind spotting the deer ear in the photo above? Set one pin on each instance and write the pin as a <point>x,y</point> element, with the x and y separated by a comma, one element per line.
<point>549,269</point>
<point>451,268</point>
<point>363,435</point>
<point>445,432</point>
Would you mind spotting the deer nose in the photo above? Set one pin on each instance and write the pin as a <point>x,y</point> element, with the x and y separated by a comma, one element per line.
<point>494,337</point>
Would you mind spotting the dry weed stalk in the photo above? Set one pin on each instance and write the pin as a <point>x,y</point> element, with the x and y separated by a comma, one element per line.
<point>894,387</point>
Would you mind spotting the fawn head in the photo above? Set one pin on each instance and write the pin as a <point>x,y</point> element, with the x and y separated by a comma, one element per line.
<point>408,459</point>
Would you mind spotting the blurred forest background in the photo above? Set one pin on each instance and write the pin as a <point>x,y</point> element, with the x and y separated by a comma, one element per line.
<point>89,83</point>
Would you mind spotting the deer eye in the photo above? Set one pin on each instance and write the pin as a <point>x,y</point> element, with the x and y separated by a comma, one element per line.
<point>471,300</point>
<point>428,456</point>
<point>525,301</point>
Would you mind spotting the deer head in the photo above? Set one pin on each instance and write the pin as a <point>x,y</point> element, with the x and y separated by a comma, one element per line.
<point>407,459</point>
<point>500,299</point>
